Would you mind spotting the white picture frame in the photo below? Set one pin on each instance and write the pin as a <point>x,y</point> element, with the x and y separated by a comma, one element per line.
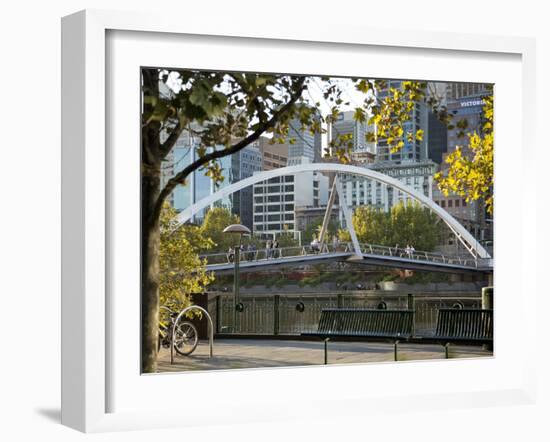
<point>87,355</point>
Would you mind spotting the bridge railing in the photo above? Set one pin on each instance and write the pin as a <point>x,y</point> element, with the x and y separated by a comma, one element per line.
<point>263,254</point>
<point>418,255</point>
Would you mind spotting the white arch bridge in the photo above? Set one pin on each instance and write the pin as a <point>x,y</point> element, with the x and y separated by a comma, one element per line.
<point>478,260</point>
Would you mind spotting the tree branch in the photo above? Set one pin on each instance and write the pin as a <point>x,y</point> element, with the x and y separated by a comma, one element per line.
<point>169,143</point>
<point>181,176</point>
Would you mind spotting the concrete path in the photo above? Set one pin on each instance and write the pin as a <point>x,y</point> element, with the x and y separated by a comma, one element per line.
<point>255,353</point>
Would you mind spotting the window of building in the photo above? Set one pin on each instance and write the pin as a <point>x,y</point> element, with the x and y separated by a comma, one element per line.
<point>450,203</point>
<point>289,188</point>
<point>443,203</point>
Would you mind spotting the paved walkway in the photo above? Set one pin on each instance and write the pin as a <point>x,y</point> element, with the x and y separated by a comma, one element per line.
<point>255,353</point>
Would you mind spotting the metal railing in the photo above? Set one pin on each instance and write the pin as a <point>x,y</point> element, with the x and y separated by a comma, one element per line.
<point>292,314</point>
<point>325,249</point>
<point>277,253</point>
<point>418,255</point>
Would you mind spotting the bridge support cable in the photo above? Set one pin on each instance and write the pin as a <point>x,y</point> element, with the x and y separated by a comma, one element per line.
<point>328,213</point>
<point>347,215</point>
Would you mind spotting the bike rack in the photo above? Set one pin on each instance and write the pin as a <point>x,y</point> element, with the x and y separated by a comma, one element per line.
<point>210,329</point>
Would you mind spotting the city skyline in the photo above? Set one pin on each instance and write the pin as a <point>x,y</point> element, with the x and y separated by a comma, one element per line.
<point>415,164</point>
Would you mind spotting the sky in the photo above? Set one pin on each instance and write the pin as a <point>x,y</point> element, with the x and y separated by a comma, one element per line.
<point>314,94</point>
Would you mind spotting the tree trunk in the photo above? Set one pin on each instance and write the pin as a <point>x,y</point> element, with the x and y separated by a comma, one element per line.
<point>150,186</point>
<point>150,230</point>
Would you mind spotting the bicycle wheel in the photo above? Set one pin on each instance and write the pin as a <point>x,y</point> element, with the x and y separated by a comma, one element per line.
<point>186,338</point>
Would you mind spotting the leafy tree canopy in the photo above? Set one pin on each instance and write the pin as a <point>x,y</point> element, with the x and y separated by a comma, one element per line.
<point>182,272</point>
<point>215,220</point>
<point>314,229</point>
<point>469,171</point>
<point>405,224</point>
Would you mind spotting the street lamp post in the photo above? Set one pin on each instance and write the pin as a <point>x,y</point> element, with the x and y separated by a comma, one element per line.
<point>240,230</point>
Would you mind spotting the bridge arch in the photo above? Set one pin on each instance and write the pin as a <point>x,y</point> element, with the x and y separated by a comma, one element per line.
<point>473,246</point>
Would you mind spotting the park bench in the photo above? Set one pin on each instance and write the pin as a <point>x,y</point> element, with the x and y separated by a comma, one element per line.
<point>364,324</point>
<point>467,326</point>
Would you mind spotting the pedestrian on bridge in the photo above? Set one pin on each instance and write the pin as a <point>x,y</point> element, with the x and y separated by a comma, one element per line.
<point>268,246</point>
<point>315,245</point>
<point>275,249</point>
<point>251,251</point>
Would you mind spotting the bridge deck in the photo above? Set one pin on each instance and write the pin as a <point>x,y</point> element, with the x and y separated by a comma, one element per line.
<point>299,259</point>
<point>365,259</point>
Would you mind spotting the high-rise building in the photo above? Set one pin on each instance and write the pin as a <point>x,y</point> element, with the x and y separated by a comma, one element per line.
<point>198,186</point>
<point>418,176</point>
<point>274,155</point>
<point>414,150</point>
<point>437,138</point>
<point>361,191</point>
<point>243,165</point>
<point>469,109</point>
<point>275,200</point>
<point>302,144</point>
<point>346,126</point>
<point>458,91</point>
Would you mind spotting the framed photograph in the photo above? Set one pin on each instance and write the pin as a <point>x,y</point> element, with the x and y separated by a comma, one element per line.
<point>273,221</point>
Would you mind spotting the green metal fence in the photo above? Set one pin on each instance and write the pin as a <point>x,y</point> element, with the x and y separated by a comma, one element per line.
<point>292,314</point>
